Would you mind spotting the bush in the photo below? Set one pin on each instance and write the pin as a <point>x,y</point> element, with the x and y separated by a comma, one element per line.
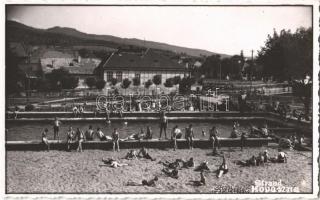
<point>91,82</point>
<point>148,84</point>
<point>157,79</point>
<point>100,84</point>
<point>125,83</point>
<point>114,81</point>
<point>136,81</point>
<point>29,107</point>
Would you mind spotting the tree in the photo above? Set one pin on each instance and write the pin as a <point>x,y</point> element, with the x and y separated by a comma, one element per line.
<point>176,80</point>
<point>287,55</point>
<point>136,81</point>
<point>114,81</point>
<point>14,76</point>
<point>168,83</point>
<point>185,85</point>
<point>100,84</point>
<point>211,67</point>
<point>91,82</point>
<point>125,83</point>
<point>157,79</point>
<point>148,84</point>
<point>61,79</point>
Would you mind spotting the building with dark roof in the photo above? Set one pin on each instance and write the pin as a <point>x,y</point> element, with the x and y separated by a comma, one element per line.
<point>144,66</point>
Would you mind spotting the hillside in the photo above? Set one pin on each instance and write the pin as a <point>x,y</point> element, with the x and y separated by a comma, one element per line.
<point>18,32</point>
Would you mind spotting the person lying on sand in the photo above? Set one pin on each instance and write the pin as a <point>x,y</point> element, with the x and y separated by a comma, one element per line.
<point>186,164</point>
<point>113,163</point>
<point>143,153</point>
<point>223,169</point>
<point>260,159</point>
<point>173,173</point>
<point>151,183</point>
<point>131,154</point>
<point>172,165</point>
<point>201,182</point>
<point>281,158</point>
<point>251,162</point>
<point>203,166</point>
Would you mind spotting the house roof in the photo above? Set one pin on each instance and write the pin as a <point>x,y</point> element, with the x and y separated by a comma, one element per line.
<point>56,54</point>
<point>150,60</point>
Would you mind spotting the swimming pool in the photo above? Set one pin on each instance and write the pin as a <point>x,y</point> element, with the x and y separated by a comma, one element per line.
<point>32,130</point>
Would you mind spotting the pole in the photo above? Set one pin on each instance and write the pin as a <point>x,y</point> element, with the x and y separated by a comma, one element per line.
<point>220,69</point>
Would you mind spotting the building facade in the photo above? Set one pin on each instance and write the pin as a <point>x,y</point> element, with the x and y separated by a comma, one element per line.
<point>143,66</point>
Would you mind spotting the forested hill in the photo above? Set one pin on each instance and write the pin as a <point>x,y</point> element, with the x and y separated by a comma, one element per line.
<point>18,32</point>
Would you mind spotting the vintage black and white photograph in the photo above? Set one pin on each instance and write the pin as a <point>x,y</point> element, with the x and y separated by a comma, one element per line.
<point>160,99</point>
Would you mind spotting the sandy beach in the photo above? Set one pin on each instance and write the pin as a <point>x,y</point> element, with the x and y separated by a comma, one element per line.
<point>72,172</point>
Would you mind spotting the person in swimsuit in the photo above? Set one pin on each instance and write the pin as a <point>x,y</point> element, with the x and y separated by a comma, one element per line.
<point>132,154</point>
<point>56,127</point>
<point>45,139</point>
<point>163,124</point>
<point>149,133</point>
<point>144,154</point>
<point>113,163</point>
<point>89,133</point>
<point>176,133</point>
<point>189,136</point>
<point>75,111</point>
<point>234,133</point>
<point>203,166</point>
<point>115,140</point>
<point>70,137</point>
<point>242,140</point>
<point>213,137</point>
<point>173,173</point>
<point>223,169</point>
<point>80,138</point>
<point>151,183</point>
<point>201,182</point>
<point>282,157</point>
<point>101,135</point>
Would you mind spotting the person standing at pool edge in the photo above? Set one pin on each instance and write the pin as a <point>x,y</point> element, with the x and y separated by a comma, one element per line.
<point>189,136</point>
<point>163,124</point>
<point>115,139</point>
<point>45,139</point>
<point>56,127</point>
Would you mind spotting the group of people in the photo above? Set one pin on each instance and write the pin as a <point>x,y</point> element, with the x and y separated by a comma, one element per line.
<point>263,158</point>
<point>78,110</point>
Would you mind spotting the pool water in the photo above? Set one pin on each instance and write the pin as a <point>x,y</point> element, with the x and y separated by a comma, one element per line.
<point>32,130</point>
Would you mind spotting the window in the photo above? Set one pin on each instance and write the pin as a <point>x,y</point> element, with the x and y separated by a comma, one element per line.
<point>109,76</point>
<point>119,76</point>
<point>137,75</point>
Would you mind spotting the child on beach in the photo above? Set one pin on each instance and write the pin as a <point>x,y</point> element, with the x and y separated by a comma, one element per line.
<point>80,138</point>
<point>115,139</point>
<point>45,139</point>
<point>189,136</point>
<point>56,127</point>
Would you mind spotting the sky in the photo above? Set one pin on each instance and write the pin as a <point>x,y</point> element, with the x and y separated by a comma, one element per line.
<point>219,29</point>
